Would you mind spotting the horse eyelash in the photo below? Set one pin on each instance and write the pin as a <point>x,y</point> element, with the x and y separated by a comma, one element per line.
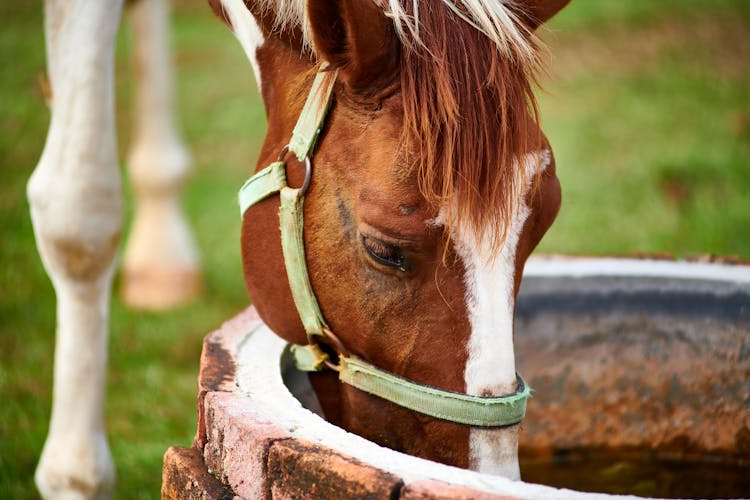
<point>385,254</point>
<point>381,249</point>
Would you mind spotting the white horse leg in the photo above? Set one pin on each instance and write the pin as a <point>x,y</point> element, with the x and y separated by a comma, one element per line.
<point>160,268</point>
<point>76,208</point>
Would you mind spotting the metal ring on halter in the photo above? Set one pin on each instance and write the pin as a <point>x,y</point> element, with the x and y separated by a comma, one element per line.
<point>331,366</point>
<point>337,344</point>
<point>308,170</point>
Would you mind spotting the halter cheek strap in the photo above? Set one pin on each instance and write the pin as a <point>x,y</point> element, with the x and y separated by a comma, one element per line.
<point>272,180</point>
<point>447,405</point>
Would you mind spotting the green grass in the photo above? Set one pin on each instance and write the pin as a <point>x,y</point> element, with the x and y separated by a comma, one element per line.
<point>648,112</point>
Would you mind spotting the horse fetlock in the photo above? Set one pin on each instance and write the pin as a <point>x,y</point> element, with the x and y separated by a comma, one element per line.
<point>79,259</point>
<point>75,469</point>
<point>159,166</point>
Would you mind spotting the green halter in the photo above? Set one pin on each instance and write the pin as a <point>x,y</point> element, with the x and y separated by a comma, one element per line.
<point>447,405</point>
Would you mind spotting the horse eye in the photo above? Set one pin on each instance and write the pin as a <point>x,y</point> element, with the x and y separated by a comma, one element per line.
<point>383,253</point>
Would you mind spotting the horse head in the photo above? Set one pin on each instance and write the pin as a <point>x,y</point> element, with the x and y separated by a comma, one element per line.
<point>430,185</point>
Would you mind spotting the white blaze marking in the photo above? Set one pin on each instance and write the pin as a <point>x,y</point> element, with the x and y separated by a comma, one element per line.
<point>247,31</point>
<point>491,365</point>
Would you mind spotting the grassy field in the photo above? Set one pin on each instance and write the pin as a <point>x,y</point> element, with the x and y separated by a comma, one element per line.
<point>648,112</point>
<point>647,107</point>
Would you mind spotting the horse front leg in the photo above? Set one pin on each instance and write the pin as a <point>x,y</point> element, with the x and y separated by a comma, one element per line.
<point>161,265</point>
<point>76,209</point>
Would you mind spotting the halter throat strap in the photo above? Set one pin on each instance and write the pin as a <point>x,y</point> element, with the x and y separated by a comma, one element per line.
<point>447,405</point>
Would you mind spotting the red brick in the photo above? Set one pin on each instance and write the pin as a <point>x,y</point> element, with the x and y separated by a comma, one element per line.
<point>424,490</point>
<point>237,444</point>
<point>185,477</point>
<point>218,365</point>
<point>300,469</point>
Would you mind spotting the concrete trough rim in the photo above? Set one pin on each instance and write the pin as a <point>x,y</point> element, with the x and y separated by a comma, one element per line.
<point>580,267</point>
<point>257,355</point>
<point>259,378</point>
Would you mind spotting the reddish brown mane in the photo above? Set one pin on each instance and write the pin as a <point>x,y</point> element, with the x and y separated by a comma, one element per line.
<point>469,115</point>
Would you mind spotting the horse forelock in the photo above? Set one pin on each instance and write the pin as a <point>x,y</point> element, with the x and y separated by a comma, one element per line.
<point>469,111</point>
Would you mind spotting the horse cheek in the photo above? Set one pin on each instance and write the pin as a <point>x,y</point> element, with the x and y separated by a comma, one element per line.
<point>265,273</point>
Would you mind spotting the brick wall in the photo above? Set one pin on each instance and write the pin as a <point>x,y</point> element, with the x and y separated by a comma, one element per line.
<point>238,454</point>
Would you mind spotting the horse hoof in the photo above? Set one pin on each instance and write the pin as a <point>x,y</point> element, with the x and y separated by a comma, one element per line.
<point>160,289</point>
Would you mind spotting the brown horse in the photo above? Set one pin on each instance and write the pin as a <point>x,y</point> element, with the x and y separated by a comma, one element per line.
<point>431,185</point>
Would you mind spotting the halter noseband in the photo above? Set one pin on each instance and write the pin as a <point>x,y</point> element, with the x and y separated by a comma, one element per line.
<point>447,405</point>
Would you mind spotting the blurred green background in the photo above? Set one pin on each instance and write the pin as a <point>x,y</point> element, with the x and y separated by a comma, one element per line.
<point>647,107</point>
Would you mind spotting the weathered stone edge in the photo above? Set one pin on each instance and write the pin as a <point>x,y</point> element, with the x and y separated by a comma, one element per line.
<point>184,476</point>
<point>251,457</point>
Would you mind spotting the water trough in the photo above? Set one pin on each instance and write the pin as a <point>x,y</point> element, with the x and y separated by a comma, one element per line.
<point>641,371</point>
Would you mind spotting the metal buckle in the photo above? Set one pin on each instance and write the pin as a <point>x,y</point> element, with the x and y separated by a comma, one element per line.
<point>308,169</point>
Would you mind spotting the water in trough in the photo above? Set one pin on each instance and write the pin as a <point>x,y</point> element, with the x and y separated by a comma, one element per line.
<point>618,472</point>
<point>641,377</point>
<point>642,382</point>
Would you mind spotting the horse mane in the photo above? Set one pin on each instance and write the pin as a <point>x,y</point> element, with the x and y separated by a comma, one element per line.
<point>470,116</point>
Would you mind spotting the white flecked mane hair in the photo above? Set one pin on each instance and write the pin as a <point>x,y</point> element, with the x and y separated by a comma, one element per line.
<point>494,18</point>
